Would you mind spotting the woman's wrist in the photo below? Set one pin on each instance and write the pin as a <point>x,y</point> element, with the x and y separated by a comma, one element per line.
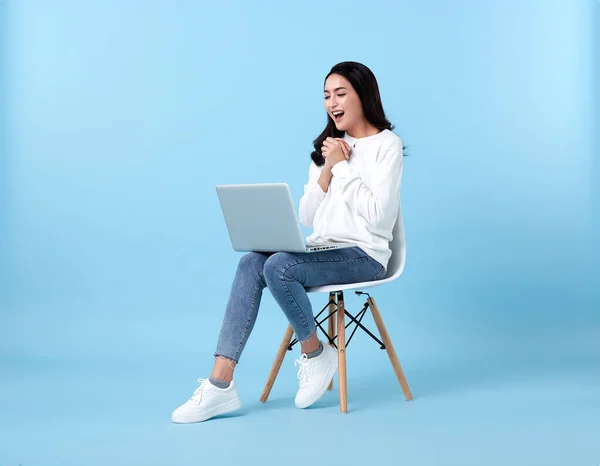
<point>325,178</point>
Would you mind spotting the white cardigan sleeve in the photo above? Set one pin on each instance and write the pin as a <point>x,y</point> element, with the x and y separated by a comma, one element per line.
<point>312,197</point>
<point>377,203</point>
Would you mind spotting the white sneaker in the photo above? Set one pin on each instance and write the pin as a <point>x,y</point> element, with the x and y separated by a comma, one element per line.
<point>207,401</point>
<point>314,375</point>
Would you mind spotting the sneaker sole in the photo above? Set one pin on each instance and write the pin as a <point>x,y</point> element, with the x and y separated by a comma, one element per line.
<point>322,388</point>
<point>224,408</point>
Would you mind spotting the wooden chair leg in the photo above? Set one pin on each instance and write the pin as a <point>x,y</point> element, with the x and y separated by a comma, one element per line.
<point>287,338</point>
<point>341,344</point>
<point>389,348</point>
<point>331,326</point>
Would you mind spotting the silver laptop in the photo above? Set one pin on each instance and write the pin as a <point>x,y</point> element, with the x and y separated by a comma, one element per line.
<point>262,218</point>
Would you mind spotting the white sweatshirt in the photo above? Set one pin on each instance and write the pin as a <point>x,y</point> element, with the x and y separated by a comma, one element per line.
<point>362,202</point>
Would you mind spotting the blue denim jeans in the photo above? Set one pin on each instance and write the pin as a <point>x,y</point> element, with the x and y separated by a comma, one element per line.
<point>287,275</point>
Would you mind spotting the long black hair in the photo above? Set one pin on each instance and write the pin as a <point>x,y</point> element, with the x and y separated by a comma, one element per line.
<point>365,84</point>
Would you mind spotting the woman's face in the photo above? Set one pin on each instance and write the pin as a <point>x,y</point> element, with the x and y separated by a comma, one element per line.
<point>342,103</point>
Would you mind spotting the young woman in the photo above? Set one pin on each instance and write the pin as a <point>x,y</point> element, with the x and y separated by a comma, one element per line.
<point>352,195</point>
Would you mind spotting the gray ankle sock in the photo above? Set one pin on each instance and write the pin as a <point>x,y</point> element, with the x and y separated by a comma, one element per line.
<point>315,353</point>
<point>219,383</point>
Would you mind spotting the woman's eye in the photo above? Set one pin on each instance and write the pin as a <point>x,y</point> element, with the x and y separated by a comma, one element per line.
<point>341,95</point>
<point>326,97</point>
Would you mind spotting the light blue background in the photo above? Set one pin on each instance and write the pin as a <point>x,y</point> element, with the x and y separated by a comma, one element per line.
<point>117,121</point>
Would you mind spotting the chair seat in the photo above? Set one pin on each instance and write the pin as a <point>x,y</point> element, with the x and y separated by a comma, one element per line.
<point>348,286</point>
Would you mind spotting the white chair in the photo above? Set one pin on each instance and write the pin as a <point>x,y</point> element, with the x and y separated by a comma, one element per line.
<point>394,270</point>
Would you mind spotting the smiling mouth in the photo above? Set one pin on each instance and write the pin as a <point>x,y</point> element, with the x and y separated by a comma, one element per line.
<point>337,116</point>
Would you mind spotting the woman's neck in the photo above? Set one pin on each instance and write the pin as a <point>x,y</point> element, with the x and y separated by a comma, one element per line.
<point>362,130</point>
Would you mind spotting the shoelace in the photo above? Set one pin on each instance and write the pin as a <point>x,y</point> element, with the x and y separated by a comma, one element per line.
<point>305,369</point>
<point>201,390</point>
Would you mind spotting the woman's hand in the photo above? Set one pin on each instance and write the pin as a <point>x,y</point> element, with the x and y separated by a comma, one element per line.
<point>334,150</point>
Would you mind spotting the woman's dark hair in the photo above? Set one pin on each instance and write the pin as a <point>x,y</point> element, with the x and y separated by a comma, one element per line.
<point>365,84</point>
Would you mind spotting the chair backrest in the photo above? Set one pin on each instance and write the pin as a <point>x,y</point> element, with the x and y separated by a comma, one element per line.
<point>398,248</point>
